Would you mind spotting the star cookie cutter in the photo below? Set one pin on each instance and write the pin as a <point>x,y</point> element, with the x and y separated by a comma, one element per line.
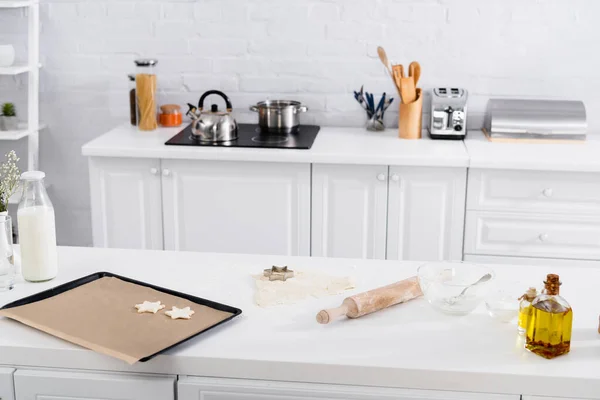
<point>278,273</point>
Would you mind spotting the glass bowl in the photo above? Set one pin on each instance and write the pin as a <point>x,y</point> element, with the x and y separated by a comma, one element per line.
<point>443,282</point>
<point>503,304</point>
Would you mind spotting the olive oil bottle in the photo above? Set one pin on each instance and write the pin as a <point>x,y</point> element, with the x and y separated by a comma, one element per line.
<point>525,309</point>
<point>549,327</point>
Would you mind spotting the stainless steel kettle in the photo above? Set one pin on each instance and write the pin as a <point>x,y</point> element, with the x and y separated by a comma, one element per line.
<point>213,125</point>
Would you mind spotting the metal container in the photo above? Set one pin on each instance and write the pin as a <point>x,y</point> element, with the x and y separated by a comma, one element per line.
<point>538,119</point>
<point>278,115</point>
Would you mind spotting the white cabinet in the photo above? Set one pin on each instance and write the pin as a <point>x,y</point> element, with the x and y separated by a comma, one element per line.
<point>426,213</point>
<point>59,385</point>
<point>398,213</point>
<point>533,235</point>
<point>126,202</point>
<point>349,207</point>
<point>538,215</point>
<point>236,207</point>
<point>7,390</point>
<point>190,388</point>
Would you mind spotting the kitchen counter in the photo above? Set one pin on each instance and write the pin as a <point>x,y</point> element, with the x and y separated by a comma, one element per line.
<point>332,146</point>
<point>568,156</point>
<point>358,146</point>
<point>408,346</point>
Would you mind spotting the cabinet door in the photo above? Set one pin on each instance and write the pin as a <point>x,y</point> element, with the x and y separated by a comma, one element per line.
<point>237,207</point>
<point>126,203</point>
<point>349,206</point>
<point>426,213</point>
<point>238,389</point>
<point>7,390</point>
<point>58,385</point>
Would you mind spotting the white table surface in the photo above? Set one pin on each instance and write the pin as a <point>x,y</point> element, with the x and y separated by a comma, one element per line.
<point>409,346</point>
<point>332,145</point>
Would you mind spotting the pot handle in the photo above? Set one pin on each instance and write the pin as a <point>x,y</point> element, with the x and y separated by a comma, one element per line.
<point>302,109</point>
<point>254,108</point>
<point>219,93</point>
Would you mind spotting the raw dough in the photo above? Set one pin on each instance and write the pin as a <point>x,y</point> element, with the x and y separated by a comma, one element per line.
<point>180,313</point>
<point>305,284</point>
<point>149,307</point>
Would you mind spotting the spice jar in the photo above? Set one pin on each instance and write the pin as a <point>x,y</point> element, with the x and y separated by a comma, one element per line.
<point>132,101</point>
<point>170,115</point>
<point>145,87</point>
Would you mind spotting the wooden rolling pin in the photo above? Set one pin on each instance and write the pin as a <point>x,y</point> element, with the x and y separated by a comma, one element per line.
<point>374,300</point>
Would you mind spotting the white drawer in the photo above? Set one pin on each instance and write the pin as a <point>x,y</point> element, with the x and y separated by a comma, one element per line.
<point>538,191</point>
<point>7,389</point>
<point>532,235</point>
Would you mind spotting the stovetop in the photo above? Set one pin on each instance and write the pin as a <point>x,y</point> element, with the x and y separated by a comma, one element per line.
<point>249,135</point>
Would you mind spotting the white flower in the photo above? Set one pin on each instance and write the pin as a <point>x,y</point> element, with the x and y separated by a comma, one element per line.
<point>9,179</point>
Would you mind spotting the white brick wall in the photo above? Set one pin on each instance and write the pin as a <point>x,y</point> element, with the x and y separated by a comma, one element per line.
<point>317,51</point>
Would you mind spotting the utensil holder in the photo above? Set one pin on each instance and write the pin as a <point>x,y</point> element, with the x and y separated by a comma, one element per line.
<point>411,118</point>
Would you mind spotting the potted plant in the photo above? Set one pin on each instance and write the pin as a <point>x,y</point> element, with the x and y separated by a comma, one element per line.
<point>9,117</point>
<point>10,176</point>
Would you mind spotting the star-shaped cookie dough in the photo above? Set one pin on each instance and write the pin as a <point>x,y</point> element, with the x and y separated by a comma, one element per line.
<point>180,313</point>
<point>149,307</point>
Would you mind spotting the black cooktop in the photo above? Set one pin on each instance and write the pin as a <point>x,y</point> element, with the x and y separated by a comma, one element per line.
<point>249,135</point>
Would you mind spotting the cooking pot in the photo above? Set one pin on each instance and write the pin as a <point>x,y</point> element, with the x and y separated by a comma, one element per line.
<point>278,115</point>
<point>213,125</point>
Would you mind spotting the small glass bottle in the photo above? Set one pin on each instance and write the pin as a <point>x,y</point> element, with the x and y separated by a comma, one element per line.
<point>525,309</point>
<point>37,230</point>
<point>132,101</point>
<point>549,328</point>
<point>145,89</point>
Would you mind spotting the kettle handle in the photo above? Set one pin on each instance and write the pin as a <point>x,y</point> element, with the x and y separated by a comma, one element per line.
<point>217,92</point>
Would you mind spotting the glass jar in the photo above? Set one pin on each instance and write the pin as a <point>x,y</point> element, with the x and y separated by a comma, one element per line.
<point>170,115</point>
<point>132,101</point>
<point>145,88</point>
<point>37,230</point>
<point>7,263</point>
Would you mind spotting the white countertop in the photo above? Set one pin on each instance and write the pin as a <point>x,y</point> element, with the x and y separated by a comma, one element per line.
<point>332,146</point>
<point>409,346</point>
<point>570,156</point>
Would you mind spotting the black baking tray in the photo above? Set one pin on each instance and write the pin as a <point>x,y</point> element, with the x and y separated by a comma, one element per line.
<point>65,287</point>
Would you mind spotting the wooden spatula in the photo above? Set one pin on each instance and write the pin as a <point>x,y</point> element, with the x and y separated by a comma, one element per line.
<point>408,90</point>
<point>414,71</point>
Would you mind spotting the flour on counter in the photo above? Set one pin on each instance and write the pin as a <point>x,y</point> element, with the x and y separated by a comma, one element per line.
<point>302,286</point>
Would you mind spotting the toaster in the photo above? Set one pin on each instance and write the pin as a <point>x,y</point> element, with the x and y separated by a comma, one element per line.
<point>448,113</point>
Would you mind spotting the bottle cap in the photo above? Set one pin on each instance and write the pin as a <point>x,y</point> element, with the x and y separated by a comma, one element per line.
<point>33,176</point>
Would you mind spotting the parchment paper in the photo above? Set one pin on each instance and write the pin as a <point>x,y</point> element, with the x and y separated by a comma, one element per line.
<point>101,316</point>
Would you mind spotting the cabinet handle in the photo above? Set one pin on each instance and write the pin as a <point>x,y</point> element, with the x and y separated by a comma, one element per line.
<point>548,192</point>
<point>396,177</point>
<point>381,177</point>
<point>154,171</point>
<point>543,237</point>
<point>166,172</point>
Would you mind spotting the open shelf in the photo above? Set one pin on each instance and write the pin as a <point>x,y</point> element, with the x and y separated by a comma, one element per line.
<point>15,3</point>
<point>20,133</point>
<point>15,69</point>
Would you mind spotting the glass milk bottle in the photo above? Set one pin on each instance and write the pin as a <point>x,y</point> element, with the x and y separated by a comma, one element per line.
<point>37,231</point>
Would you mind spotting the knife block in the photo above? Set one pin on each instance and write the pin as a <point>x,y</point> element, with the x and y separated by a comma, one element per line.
<point>411,118</point>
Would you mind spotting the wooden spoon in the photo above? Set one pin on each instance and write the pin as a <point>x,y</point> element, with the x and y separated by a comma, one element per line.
<point>383,57</point>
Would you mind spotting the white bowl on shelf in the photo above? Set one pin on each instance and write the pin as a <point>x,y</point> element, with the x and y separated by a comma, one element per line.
<point>7,55</point>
